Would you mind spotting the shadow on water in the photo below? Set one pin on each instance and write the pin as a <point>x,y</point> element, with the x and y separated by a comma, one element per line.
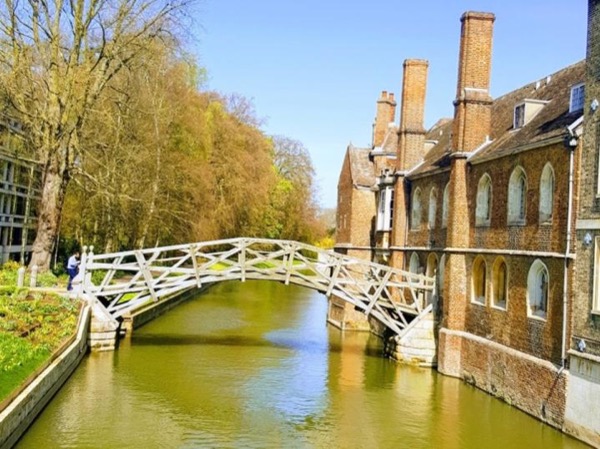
<point>372,350</point>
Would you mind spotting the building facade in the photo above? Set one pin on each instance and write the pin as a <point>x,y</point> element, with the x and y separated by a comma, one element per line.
<point>19,197</point>
<point>488,202</point>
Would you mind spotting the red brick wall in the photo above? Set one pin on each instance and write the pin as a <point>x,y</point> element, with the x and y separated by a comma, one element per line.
<point>412,132</point>
<point>473,107</point>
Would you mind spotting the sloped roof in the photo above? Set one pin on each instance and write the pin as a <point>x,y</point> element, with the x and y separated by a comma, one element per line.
<point>550,122</point>
<point>362,169</point>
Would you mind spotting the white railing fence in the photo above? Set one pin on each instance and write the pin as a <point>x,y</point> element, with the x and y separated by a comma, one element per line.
<point>126,280</point>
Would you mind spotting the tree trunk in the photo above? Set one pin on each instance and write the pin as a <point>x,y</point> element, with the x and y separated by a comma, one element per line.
<point>51,203</point>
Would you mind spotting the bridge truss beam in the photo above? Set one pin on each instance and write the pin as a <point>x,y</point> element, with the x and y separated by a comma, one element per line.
<point>125,281</point>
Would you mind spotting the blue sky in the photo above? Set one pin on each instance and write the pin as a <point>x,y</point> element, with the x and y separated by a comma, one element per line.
<point>315,68</point>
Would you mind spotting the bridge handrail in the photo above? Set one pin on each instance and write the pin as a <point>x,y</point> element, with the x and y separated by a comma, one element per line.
<point>385,292</point>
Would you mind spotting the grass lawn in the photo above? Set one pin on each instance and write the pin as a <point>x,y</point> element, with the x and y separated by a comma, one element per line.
<point>32,327</point>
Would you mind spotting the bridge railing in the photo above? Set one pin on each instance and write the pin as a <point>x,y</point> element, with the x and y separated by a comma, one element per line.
<point>126,280</point>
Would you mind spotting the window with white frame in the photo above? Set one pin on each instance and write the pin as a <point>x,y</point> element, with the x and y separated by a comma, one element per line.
<point>484,200</point>
<point>415,221</point>
<point>577,97</point>
<point>517,196</point>
<point>519,116</point>
<point>500,283</point>
<point>445,205</point>
<point>546,193</point>
<point>385,209</point>
<point>478,281</point>
<point>596,294</point>
<point>537,289</point>
<point>433,196</point>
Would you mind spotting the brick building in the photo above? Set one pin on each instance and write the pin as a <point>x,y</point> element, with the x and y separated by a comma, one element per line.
<point>487,202</point>
<point>583,397</point>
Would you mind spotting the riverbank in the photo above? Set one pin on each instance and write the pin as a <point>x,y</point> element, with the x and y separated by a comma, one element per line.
<point>43,337</point>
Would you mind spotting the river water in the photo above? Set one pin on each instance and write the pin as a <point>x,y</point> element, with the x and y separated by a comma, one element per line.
<point>254,365</point>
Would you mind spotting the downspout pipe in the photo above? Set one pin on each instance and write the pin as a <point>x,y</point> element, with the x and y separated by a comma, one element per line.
<point>572,142</point>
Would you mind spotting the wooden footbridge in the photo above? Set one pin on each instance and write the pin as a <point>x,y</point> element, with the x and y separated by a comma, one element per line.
<point>118,283</point>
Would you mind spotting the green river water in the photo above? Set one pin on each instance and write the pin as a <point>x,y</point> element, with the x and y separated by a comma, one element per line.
<point>254,365</point>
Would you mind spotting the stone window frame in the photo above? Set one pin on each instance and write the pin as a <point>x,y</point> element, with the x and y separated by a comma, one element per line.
<point>431,217</point>
<point>577,97</point>
<point>479,281</point>
<point>445,205</point>
<point>385,209</point>
<point>517,197</point>
<point>538,290</point>
<point>416,214</point>
<point>596,281</point>
<point>497,283</point>
<point>547,185</point>
<point>483,210</point>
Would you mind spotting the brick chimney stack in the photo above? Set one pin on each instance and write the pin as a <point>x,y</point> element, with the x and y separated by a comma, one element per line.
<point>472,117</point>
<point>412,111</point>
<point>472,107</point>
<point>386,113</point>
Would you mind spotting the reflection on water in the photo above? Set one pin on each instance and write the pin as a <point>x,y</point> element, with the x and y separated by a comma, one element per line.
<point>254,366</point>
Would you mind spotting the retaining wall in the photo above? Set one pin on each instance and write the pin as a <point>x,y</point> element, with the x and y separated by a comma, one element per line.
<point>31,400</point>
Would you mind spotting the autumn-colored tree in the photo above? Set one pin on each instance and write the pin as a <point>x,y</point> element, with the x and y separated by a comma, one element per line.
<point>57,58</point>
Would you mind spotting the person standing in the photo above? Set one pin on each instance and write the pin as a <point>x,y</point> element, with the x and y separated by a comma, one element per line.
<point>72,269</point>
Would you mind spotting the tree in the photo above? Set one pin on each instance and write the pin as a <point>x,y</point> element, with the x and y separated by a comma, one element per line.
<point>295,207</point>
<point>57,58</point>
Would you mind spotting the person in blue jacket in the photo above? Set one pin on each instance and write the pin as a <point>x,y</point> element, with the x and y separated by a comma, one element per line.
<point>72,269</point>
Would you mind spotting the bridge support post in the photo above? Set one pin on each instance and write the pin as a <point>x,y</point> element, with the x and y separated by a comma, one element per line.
<point>417,346</point>
<point>103,335</point>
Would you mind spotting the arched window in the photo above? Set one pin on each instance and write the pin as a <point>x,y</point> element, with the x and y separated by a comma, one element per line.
<point>432,268</point>
<point>479,281</point>
<point>432,264</point>
<point>484,201</point>
<point>414,265</point>
<point>537,289</point>
<point>432,207</point>
<point>500,283</point>
<point>517,196</point>
<point>445,205</point>
<point>415,222</point>
<point>546,193</point>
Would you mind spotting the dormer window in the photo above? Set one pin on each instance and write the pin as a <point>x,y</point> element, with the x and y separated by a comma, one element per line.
<point>526,111</point>
<point>577,97</point>
<point>519,118</point>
